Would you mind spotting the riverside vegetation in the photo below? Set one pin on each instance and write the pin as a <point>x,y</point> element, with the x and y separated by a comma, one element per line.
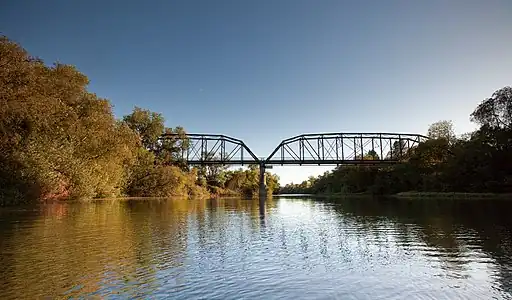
<point>476,162</point>
<point>60,141</point>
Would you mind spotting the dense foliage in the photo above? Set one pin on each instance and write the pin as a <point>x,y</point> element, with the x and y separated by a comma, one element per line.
<point>57,140</point>
<point>240,181</point>
<point>480,161</point>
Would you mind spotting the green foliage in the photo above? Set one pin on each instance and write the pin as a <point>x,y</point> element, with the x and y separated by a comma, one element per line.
<point>213,175</point>
<point>164,181</point>
<point>442,130</point>
<point>477,162</point>
<point>59,141</point>
<point>246,182</point>
<point>149,126</point>
<point>167,150</point>
<point>371,155</point>
<point>496,111</point>
<point>272,182</point>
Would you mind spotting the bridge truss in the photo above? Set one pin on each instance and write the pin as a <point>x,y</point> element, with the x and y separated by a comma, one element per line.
<point>344,149</point>
<point>306,149</point>
<point>213,149</point>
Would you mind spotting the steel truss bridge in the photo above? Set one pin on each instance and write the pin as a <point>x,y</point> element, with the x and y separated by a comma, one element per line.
<point>306,149</point>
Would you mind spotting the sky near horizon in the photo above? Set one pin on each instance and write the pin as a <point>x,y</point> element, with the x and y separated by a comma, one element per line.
<point>263,71</point>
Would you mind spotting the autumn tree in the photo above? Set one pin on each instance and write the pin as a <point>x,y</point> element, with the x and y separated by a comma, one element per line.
<point>58,139</point>
<point>149,126</point>
<point>272,182</point>
<point>169,149</point>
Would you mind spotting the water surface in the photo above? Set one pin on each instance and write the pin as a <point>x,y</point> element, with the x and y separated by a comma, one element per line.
<point>224,249</point>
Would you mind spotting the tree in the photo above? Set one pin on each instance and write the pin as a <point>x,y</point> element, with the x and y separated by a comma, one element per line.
<point>442,130</point>
<point>398,150</point>
<point>371,155</point>
<point>496,111</point>
<point>213,173</point>
<point>272,182</point>
<point>169,150</point>
<point>59,139</point>
<point>149,125</point>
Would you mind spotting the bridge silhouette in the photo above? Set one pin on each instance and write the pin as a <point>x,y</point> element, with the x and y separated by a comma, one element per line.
<point>307,149</point>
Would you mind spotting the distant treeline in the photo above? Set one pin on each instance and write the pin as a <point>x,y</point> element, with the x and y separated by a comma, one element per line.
<point>59,141</point>
<point>480,161</point>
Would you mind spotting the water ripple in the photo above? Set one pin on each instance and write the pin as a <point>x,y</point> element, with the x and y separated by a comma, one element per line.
<point>224,250</point>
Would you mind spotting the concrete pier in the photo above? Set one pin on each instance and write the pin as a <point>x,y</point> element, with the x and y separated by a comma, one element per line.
<point>263,187</point>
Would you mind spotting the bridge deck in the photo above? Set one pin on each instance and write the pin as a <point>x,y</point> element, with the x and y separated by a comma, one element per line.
<point>311,162</point>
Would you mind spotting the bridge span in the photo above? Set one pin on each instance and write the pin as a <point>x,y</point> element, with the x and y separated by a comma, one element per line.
<point>307,149</point>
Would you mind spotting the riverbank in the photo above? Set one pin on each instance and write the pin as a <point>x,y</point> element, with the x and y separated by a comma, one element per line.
<point>329,195</point>
<point>411,195</point>
<point>452,195</point>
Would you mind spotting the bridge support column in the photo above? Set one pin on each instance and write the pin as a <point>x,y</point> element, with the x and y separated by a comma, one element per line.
<point>263,187</point>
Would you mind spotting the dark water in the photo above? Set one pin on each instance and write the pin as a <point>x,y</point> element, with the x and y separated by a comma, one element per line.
<point>223,249</point>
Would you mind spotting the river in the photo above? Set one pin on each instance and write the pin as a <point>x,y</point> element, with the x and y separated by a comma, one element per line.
<point>302,248</point>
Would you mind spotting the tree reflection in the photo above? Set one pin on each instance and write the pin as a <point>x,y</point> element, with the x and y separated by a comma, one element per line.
<point>441,224</point>
<point>126,247</point>
<point>98,247</point>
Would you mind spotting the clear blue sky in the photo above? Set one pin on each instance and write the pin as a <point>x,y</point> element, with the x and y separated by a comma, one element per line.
<point>266,70</point>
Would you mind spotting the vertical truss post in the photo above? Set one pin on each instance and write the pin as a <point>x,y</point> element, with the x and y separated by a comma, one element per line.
<point>373,149</point>
<point>362,151</point>
<point>203,151</point>
<point>323,149</point>
<point>318,147</point>
<point>391,150</point>
<point>223,150</point>
<point>337,156</point>
<point>342,146</point>
<point>355,147</point>
<point>206,149</point>
<point>188,152</point>
<point>400,145</point>
<point>301,150</point>
<point>380,138</point>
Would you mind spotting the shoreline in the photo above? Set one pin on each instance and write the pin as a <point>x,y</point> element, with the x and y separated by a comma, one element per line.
<point>412,195</point>
<point>451,195</point>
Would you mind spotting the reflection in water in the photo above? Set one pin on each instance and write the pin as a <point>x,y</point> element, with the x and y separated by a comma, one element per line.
<point>232,249</point>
